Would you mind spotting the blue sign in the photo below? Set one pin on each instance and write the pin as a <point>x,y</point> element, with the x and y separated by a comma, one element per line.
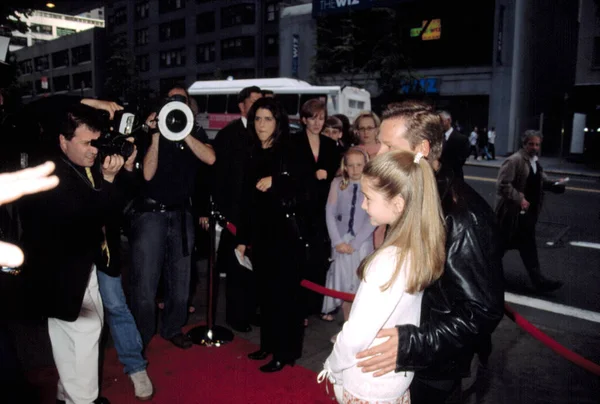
<point>295,51</point>
<point>426,85</point>
<point>324,7</point>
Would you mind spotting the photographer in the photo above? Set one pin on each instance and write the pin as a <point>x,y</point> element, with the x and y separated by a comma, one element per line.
<point>162,229</point>
<point>64,244</point>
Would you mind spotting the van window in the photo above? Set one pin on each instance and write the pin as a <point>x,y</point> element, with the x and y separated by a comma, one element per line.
<point>232,104</point>
<point>201,100</point>
<point>289,102</point>
<point>217,104</point>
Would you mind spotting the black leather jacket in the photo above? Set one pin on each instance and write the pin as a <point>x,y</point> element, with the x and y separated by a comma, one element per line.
<point>462,308</point>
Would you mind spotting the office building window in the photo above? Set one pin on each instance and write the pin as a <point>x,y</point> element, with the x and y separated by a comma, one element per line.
<point>41,29</point>
<point>81,54</point>
<point>64,31</point>
<point>272,11</point>
<point>596,53</point>
<point>205,22</point>
<point>237,47</point>
<point>142,10</point>
<point>41,63</point>
<point>38,40</point>
<point>82,80</point>
<point>165,6</point>
<point>141,37</point>
<point>168,83</point>
<point>238,14</point>
<point>272,45</point>
<point>119,17</point>
<point>18,41</point>
<point>142,63</point>
<point>172,58</point>
<point>172,30</point>
<point>26,66</point>
<point>60,59</point>
<point>205,52</point>
<point>61,83</point>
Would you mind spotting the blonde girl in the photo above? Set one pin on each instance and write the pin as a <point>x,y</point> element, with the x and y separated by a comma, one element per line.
<point>400,191</point>
<point>350,231</point>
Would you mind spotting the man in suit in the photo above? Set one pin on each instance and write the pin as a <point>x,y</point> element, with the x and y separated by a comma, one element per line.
<point>455,146</point>
<point>232,145</point>
<point>64,244</point>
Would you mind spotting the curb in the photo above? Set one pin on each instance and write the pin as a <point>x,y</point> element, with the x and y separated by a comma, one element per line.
<point>564,171</point>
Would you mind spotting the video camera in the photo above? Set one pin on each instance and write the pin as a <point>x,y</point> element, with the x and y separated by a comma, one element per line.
<point>113,139</point>
<point>175,118</point>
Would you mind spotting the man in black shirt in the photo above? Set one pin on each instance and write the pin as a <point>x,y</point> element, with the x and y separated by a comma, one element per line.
<point>162,232</point>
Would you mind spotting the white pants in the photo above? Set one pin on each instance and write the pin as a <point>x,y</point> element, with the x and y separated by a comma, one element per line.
<point>75,346</point>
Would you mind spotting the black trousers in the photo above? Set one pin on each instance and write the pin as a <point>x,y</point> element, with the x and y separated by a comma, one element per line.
<point>423,391</point>
<point>240,289</point>
<point>526,240</point>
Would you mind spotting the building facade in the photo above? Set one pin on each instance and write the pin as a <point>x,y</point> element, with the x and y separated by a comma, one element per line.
<point>46,26</point>
<point>181,41</point>
<point>71,64</point>
<point>505,63</point>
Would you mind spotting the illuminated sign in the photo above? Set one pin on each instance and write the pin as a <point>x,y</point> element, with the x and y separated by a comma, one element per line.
<point>429,30</point>
<point>427,85</point>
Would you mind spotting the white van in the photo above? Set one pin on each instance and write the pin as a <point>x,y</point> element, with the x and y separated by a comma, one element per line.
<point>218,105</point>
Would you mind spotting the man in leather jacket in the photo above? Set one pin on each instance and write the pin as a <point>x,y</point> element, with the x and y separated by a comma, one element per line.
<point>460,310</point>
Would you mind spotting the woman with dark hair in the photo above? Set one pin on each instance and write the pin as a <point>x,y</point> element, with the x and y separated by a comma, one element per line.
<point>268,226</point>
<point>318,161</point>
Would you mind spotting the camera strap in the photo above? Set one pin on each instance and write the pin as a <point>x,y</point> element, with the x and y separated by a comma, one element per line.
<point>85,178</point>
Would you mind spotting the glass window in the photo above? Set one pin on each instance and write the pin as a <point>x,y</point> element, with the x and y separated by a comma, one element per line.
<point>119,17</point>
<point>26,66</point>
<point>272,11</point>
<point>141,37</point>
<point>81,54</point>
<point>38,40</point>
<point>237,47</point>
<point>41,29</point>
<point>172,58</point>
<point>142,10</point>
<point>238,14</point>
<point>60,59</point>
<point>41,63</point>
<point>61,83</point>
<point>165,6</point>
<point>172,30</point>
<point>272,45</point>
<point>18,41</point>
<point>64,31</point>
<point>82,80</point>
<point>142,63</point>
<point>205,53</point>
<point>205,22</point>
<point>217,104</point>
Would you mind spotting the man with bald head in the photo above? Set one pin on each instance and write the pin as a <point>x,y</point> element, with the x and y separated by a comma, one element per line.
<point>462,308</point>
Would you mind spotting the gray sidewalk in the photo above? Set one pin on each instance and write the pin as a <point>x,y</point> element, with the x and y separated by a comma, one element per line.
<point>551,165</point>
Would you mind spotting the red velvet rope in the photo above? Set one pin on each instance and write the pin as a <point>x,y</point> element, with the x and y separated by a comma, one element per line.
<point>509,311</point>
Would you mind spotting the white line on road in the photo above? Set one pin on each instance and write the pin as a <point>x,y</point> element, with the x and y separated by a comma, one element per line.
<point>586,244</point>
<point>486,179</point>
<point>552,307</point>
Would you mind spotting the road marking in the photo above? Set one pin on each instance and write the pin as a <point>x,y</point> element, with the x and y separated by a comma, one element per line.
<point>585,244</point>
<point>552,307</point>
<point>485,179</point>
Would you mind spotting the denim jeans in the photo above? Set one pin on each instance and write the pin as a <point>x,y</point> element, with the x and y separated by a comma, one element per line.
<point>126,336</point>
<point>156,246</point>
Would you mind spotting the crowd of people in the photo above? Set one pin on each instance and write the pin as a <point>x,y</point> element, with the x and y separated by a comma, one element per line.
<point>375,207</point>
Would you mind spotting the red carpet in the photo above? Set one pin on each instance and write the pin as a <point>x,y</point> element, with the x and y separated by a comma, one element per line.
<point>202,375</point>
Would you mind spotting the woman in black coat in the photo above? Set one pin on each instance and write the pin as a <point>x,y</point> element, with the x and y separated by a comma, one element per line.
<point>269,228</point>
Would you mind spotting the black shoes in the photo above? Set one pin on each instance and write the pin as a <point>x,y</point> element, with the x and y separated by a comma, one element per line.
<point>275,366</point>
<point>258,355</point>
<point>182,341</point>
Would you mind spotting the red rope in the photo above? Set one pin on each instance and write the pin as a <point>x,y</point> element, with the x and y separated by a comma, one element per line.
<point>336,294</point>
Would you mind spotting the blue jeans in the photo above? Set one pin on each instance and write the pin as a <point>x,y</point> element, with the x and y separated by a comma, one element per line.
<point>157,245</point>
<point>126,336</point>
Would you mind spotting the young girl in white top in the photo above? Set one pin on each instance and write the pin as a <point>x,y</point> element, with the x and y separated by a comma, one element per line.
<point>350,231</point>
<point>400,191</point>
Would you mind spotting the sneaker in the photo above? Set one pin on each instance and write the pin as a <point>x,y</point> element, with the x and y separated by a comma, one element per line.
<point>142,385</point>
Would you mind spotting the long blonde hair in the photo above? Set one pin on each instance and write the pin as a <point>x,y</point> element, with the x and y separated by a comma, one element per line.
<point>419,232</point>
<point>345,177</point>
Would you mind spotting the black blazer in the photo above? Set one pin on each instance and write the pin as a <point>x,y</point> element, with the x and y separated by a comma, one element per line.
<point>62,239</point>
<point>232,149</point>
<point>455,152</point>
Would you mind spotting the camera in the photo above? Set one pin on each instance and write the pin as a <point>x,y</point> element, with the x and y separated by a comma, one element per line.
<point>114,141</point>
<point>175,118</point>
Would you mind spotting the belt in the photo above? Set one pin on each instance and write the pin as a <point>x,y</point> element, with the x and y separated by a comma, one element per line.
<point>150,205</point>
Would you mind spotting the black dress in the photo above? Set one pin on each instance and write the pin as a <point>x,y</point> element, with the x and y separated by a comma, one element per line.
<point>275,250</point>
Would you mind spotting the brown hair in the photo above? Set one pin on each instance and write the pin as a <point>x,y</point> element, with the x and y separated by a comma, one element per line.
<point>421,123</point>
<point>312,107</point>
<point>419,232</point>
<point>345,178</point>
<point>335,123</point>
